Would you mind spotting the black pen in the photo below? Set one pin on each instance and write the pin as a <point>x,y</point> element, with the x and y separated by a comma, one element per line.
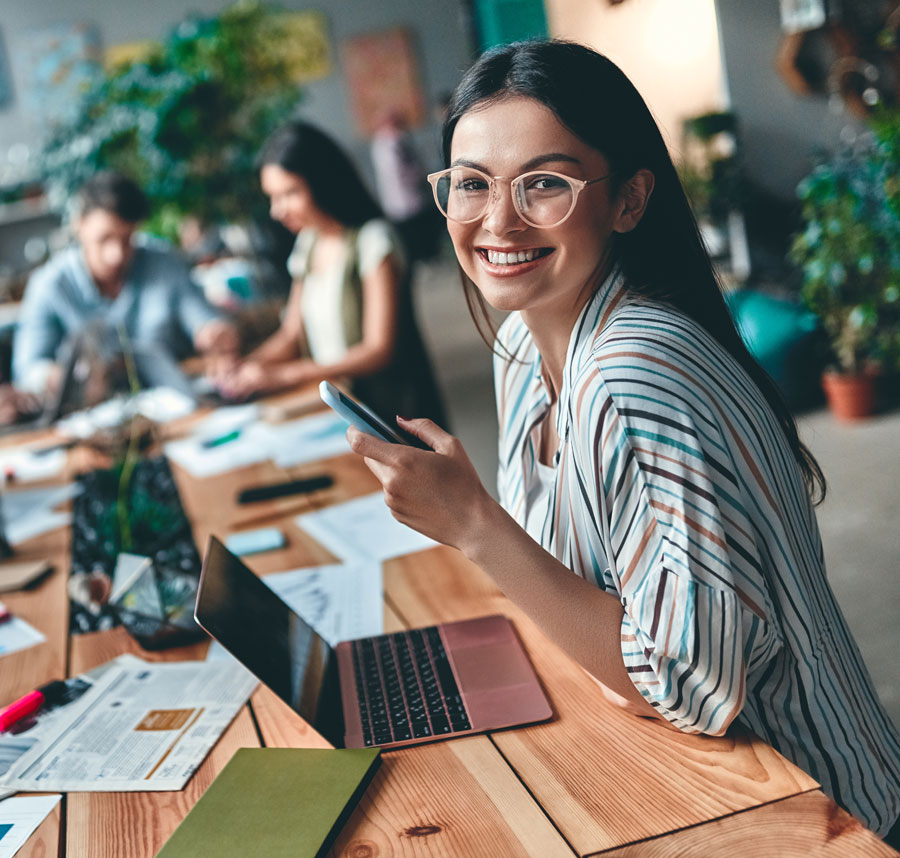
<point>279,490</point>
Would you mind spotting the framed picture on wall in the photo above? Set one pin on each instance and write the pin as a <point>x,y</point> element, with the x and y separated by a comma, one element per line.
<point>383,79</point>
<point>800,15</point>
<point>57,65</point>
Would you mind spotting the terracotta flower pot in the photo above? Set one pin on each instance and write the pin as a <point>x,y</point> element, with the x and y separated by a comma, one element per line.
<point>851,396</point>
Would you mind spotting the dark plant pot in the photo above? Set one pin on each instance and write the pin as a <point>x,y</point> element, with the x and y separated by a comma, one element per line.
<point>851,396</point>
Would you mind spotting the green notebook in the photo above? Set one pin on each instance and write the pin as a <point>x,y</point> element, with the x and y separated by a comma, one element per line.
<point>275,802</point>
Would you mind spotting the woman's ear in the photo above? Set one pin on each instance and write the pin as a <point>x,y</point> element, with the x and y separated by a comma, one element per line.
<point>633,198</point>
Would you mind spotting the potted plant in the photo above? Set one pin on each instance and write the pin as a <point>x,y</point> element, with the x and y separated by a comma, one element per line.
<point>710,172</point>
<point>185,119</point>
<point>849,254</point>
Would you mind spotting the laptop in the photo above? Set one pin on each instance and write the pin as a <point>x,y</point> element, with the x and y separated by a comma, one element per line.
<point>389,690</point>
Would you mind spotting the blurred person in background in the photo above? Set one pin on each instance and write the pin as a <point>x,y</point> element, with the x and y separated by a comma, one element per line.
<point>403,189</point>
<point>114,276</point>
<point>350,313</point>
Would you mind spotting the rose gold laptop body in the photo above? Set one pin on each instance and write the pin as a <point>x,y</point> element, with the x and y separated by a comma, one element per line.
<point>494,676</point>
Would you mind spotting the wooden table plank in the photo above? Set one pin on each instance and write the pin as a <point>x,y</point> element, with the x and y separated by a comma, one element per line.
<point>46,607</point>
<point>605,777</point>
<point>45,841</point>
<point>809,825</point>
<point>449,799</point>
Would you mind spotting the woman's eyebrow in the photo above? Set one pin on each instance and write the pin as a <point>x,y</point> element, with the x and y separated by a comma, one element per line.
<point>531,164</point>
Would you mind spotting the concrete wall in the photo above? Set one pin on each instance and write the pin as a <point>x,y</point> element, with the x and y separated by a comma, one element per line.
<point>668,48</point>
<point>444,50</point>
<point>780,130</point>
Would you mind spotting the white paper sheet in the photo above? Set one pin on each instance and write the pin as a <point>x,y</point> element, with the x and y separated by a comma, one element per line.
<point>16,634</point>
<point>20,817</point>
<point>27,464</point>
<point>30,512</point>
<point>155,403</point>
<point>141,727</point>
<point>226,419</point>
<point>251,446</point>
<point>341,602</point>
<point>362,529</point>
<point>317,437</point>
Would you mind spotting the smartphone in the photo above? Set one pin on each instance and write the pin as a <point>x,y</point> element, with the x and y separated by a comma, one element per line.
<point>255,541</point>
<point>364,419</point>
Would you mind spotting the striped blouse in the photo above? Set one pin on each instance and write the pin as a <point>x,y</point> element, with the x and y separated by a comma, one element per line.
<point>676,490</point>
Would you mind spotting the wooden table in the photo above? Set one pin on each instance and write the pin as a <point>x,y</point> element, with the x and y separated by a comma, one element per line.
<point>591,781</point>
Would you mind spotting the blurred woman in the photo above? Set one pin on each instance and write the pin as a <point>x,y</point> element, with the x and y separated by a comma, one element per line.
<point>349,314</point>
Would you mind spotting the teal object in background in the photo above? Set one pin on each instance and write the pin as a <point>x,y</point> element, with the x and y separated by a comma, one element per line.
<point>781,335</point>
<point>502,21</point>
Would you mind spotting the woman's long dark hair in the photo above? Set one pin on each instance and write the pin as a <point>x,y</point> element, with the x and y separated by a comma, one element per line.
<point>663,258</point>
<point>334,182</point>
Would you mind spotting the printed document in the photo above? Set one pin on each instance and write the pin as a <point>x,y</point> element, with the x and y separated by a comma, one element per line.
<point>341,602</point>
<point>16,634</point>
<point>141,727</point>
<point>361,529</point>
<point>20,817</point>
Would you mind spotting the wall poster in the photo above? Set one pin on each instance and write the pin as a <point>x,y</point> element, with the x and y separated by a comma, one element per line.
<point>383,78</point>
<point>57,65</point>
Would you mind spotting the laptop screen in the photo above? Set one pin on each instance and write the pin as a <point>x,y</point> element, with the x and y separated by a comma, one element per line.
<point>264,634</point>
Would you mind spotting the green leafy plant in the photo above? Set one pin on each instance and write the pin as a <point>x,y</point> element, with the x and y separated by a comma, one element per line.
<point>849,249</point>
<point>710,167</point>
<point>186,120</point>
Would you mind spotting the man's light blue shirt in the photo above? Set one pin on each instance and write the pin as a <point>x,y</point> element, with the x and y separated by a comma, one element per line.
<point>159,305</point>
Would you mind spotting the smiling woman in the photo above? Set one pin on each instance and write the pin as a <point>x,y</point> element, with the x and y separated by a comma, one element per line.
<point>656,504</point>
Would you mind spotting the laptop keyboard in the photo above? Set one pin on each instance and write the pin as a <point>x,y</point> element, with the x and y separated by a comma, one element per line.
<point>406,687</point>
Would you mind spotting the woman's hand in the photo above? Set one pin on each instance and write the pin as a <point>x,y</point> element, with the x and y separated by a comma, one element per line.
<point>437,492</point>
<point>242,380</point>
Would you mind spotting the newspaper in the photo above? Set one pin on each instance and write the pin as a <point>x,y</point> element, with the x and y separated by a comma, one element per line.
<point>141,726</point>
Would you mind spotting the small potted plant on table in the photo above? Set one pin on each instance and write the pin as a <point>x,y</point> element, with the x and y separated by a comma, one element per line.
<point>849,254</point>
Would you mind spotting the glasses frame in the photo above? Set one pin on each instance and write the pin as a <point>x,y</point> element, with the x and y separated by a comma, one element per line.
<point>577,185</point>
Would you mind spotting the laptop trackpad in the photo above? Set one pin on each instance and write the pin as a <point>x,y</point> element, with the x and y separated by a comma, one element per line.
<point>485,668</point>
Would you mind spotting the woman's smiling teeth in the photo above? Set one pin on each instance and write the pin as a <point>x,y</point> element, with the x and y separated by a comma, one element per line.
<point>514,257</point>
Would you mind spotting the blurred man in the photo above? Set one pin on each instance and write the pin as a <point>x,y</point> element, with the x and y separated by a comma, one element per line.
<point>116,278</point>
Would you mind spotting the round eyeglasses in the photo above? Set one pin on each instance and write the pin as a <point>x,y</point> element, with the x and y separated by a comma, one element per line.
<point>541,198</point>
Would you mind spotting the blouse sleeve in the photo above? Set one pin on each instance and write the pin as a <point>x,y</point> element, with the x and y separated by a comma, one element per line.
<point>669,503</point>
<point>298,261</point>
<point>376,242</point>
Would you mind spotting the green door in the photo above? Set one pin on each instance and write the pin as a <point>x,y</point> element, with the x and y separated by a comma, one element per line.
<point>503,21</point>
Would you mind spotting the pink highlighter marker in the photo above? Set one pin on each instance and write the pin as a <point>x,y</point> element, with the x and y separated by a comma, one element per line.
<point>30,703</point>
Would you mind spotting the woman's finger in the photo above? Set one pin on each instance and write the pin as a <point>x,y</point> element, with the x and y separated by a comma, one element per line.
<point>426,430</point>
<point>371,447</point>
